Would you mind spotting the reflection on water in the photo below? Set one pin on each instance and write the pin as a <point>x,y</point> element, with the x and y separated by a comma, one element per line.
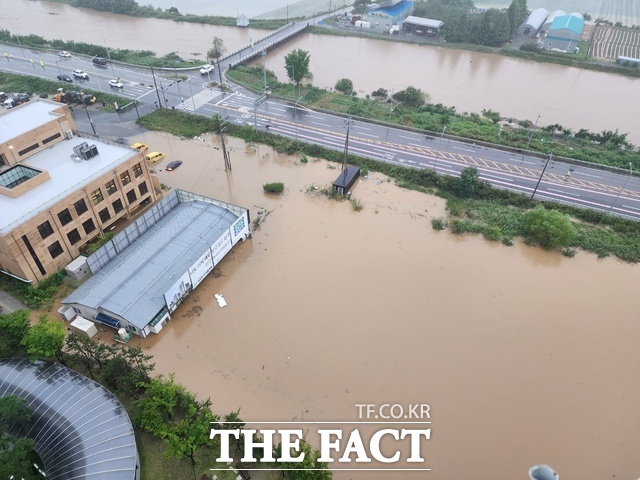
<point>525,356</point>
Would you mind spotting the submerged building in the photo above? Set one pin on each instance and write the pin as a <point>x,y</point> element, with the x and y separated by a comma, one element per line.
<point>143,274</point>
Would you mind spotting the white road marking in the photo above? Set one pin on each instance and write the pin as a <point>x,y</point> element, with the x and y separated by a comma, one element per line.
<point>408,138</point>
<point>563,192</point>
<point>587,175</point>
<point>465,149</point>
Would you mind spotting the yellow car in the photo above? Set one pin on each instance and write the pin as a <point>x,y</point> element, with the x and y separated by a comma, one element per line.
<point>141,147</point>
<point>154,157</point>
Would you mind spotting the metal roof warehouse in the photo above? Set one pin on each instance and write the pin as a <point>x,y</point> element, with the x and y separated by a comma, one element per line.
<point>147,270</point>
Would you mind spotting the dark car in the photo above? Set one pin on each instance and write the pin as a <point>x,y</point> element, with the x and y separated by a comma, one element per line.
<point>101,62</point>
<point>65,78</point>
<point>173,165</point>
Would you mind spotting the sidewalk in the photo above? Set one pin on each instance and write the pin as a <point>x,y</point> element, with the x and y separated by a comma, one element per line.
<point>9,304</point>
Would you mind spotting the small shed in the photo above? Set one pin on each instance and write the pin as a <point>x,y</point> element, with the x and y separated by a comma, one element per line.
<point>84,327</point>
<point>345,181</point>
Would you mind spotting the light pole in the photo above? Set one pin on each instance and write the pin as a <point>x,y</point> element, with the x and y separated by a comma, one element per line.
<point>389,121</point>
<point>623,187</point>
<point>264,69</point>
<point>541,175</point>
<point>192,99</point>
<point>349,124</point>
<point>59,72</point>
<point>295,116</point>
<point>293,77</point>
<point>531,133</point>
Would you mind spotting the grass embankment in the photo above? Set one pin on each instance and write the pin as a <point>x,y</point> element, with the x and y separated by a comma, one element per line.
<point>612,149</point>
<point>495,213</point>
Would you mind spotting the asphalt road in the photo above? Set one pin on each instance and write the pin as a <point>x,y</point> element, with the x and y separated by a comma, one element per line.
<point>614,192</point>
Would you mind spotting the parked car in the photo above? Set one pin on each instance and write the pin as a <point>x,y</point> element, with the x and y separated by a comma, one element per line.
<point>173,165</point>
<point>99,61</point>
<point>65,78</point>
<point>81,74</point>
<point>64,54</point>
<point>141,147</point>
<point>154,157</point>
<point>206,69</point>
<point>3,96</point>
<point>115,83</point>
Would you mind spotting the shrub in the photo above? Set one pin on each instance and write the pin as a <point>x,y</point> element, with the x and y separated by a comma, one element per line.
<point>344,85</point>
<point>275,187</point>
<point>438,224</point>
<point>493,233</point>
<point>356,204</point>
<point>550,228</point>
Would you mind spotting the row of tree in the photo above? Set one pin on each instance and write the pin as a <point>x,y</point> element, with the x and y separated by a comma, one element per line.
<point>464,24</point>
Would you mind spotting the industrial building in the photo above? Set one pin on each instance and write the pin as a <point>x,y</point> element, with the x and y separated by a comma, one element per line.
<point>534,22</point>
<point>79,429</point>
<point>59,191</point>
<point>564,33</point>
<point>391,11</point>
<point>146,271</point>
<point>550,19</point>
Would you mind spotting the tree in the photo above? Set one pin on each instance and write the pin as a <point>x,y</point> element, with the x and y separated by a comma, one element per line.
<point>296,63</point>
<point>169,411</point>
<point>344,85</point>
<point>13,328</point>
<point>127,369</point>
<point>411,96</point>
<point>217,48</point>
<point>45,339</point>
<point>91,355</point>
<point>15,454</point>
<point>468,182</point>
<point>310,461</point>
<point>550,228</point>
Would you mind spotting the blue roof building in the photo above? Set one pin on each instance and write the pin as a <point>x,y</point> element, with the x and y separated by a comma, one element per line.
<point>564,33</point>
<point>395,12</point>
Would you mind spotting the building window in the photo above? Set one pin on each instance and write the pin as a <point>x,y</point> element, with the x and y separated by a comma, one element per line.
<point>80,206</point>
<point>51,138</point>
<point>28,149</point>
<point>55,249</point>
<point>104,215</point>
<point>117,206</point>
<point>125,177</point>
<point>143,188</point>
<point>111,187</point>
<point>45,229</point>
<point>64,216</point>
<point>137,170</point>
<point>88,226</point>
<point>73,236</point>
<point>131,196</point>
<point>96,196</point>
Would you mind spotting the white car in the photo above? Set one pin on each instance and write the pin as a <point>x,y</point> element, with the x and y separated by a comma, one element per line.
<point>115,83</point>
<point>206,69</point>
<point>81,74</point>
<point>64,54</point>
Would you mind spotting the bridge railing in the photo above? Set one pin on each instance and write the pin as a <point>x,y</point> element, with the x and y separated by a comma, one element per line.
<point>270,34</point>
<point>257,51</point>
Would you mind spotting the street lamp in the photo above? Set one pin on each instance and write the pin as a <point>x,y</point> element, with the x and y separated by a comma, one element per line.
<point>59,72</point>
<point>349,124</point>
<point>623,187</point>
<point>389,121</point>
<point>531,133</point>
<point>264,69</point>
<point>295,116</point>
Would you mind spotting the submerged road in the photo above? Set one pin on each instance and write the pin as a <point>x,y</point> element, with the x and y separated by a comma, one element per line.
<point>617,192</point>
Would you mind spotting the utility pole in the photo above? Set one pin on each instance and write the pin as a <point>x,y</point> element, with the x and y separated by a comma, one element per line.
<point>349,123</point>
<point>223,128</point>
<point>623,187</point>
<point>531,132</point>
<point>156,85</point>
<point>264,69</point>
<point>541,175</point>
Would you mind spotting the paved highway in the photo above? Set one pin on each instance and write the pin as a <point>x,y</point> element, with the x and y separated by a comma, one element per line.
<point>615,192</point>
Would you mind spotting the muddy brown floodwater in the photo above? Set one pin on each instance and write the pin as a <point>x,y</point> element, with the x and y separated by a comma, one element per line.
<point>524,356</point>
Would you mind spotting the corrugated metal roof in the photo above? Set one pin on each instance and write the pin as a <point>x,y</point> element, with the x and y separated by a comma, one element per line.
<point>424,22</point>
<point>569,22</point>
<point>537,17</point>
<point>132,285</point>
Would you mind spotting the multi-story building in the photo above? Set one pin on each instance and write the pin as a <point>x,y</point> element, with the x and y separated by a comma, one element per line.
<point>58,191</point>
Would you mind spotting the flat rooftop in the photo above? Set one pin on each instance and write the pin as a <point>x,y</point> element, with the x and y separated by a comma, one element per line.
<point>133,283</point>
<point>25,118</point>
<point>67,176</point>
